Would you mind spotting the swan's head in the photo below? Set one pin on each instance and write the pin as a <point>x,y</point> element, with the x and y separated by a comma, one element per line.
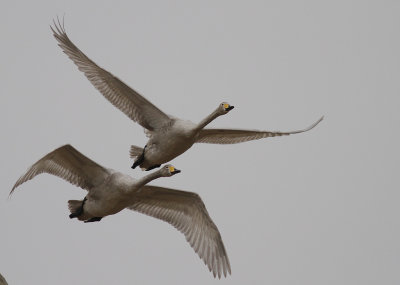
<point>225,108</point>
<point>169,170</point>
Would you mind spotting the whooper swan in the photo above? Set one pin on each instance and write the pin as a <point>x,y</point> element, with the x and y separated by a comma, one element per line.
<point>168,136</point>
<point>110,191</point>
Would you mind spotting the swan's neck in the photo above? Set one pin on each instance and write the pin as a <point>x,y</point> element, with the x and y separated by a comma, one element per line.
<point>146,179</point>
<point>208,119</point>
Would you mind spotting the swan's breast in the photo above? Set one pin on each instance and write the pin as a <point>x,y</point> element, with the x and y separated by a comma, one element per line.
<point>172,142</point>
<point>110,197</point>
<point>183,128</point>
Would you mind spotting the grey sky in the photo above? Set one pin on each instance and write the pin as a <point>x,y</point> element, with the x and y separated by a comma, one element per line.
<point>314,208</point>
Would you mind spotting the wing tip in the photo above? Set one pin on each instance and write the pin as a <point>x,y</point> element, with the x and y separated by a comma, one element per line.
<point>314,125</point>
<point>220,266</point>
<point>59,28</point>
<point>319,121</point>
<point>11,192</point>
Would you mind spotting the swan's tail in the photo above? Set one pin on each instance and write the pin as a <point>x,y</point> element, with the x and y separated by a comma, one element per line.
<point>75,207</point>
<point>135,151</point>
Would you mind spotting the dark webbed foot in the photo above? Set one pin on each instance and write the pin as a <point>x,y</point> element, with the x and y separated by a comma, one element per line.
<point>95,219</point>
<point>79,210</point>
<point>139,160</point>
<point>152,167</point>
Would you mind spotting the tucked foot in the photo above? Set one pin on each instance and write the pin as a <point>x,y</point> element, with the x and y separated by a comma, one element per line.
<point>79,210</point>
<point>95,219</point>
<point>152,167</point>
<point>139,160</point>
<point>74,215</point>
<point>136,163</point>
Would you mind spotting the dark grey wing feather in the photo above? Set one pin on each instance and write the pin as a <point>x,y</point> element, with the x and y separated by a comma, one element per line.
<point>69,164</point>
<point>231,136</point>
<point>186,212</point>
<point>131,103</point>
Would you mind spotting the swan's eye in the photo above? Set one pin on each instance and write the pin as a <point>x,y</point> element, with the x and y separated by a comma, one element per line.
<point>171,169</point>
<point>226,106</point>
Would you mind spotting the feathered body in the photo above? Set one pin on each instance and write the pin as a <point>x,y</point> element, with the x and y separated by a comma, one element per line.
<point>167,144</point>
<point>112,196</point>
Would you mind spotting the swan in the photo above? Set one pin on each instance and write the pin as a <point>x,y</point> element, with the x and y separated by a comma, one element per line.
<point>110,191</point>
<point>168,136</point>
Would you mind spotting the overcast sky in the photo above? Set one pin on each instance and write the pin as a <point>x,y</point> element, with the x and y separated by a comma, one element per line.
<point>314,208</point>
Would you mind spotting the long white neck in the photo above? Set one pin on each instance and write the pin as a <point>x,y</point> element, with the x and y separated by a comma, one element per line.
<point>208,119</point>
<point>146,179</point>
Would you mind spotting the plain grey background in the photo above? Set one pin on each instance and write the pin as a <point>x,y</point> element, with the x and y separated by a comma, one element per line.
<point>315,208</point>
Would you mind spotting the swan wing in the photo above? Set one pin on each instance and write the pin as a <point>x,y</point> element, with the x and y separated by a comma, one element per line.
<point>186,212</point>
<point>231,136</point>
<point>69,164</point>
<point>131,103</point>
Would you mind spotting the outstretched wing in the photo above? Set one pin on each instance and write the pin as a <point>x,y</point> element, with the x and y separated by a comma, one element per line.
<point>186,212</point>
<point>114,90</point>
<point>231,136</point>
<point>69,164</point>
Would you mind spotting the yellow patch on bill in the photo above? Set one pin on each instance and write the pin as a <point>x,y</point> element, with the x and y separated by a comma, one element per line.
<point>226,106</point>
<point>171,169</point>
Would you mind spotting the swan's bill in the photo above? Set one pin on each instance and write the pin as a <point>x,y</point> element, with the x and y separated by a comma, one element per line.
<point>173,170</point>
<point>227,107</point>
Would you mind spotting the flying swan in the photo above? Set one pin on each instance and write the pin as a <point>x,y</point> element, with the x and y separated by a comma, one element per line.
<point>110,191</point>
<point>168,136</point>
